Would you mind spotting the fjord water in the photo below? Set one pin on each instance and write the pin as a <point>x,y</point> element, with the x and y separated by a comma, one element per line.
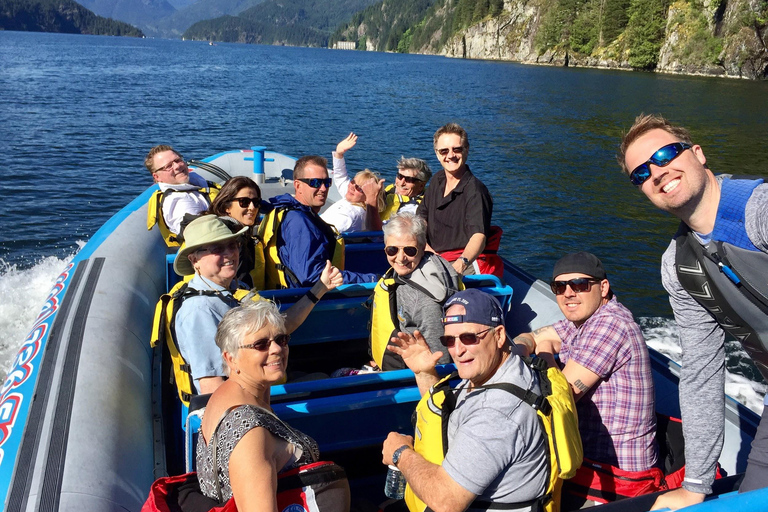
<point>79,113</point>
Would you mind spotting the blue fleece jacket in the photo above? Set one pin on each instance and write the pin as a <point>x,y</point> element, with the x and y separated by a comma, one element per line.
<point>304,248</point>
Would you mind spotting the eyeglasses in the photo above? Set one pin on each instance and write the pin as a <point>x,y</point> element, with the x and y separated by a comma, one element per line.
<point>245,201</point>
<point>409,250</point>
<point>219,249</point>
<point>457,150</point>
<point>660,158</point>
<point>578,285</point>
<point>169,166</point>
<point>317,182</point>
<point>467,338</point>
<point>263,344</point>
<point>408,179</point>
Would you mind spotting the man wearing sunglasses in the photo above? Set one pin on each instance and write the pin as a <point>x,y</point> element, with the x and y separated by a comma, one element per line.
<point>606,362</point>
<point>497,452</point>
<point>714,270</point>
<point>298,242</point>
<point>181,192</point>
<point>407,192</point>
<point>458,207</point>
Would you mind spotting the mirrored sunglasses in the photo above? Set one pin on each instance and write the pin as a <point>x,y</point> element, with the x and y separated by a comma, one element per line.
<point>244,202</point>
<point>467,338</point>
<point>660,158</point>
<point>444,151</point>
<point>262,345</point>
<point>409,250</point>
<point>578,285</point>
<point>317,182</point>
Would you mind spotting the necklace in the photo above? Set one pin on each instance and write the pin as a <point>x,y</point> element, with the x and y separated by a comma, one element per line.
<point>258,399</point>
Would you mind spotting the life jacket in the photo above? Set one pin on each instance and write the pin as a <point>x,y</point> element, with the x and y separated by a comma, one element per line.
<point>555,408</point>
<point>164,329</point>
<point>393,201</point>
<point>384,322</point>
<point>316,487</point>
<point>488,261</point>
<point>252,257</point>
<point>277,274</point>
<point>727,276</point>
<point>155,209</point>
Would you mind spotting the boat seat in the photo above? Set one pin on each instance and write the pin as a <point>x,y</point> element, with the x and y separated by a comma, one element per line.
<point>192,424</point>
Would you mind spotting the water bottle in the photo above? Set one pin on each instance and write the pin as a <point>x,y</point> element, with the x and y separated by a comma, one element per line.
<point>394,487</point>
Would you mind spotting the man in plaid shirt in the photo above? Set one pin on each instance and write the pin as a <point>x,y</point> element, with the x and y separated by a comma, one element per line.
<point>604,357</point>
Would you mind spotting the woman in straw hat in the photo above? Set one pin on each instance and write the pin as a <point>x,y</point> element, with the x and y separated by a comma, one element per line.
<point>211,253</point>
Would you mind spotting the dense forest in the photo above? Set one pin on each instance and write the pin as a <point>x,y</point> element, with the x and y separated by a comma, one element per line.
<point>59,16</point>
<point>293,22</point>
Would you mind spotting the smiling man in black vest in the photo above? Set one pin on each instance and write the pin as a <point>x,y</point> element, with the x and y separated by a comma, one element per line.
<point>714,270</point>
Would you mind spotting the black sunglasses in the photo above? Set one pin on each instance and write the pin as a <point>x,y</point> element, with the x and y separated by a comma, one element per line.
<point>262,345</point>
<point>444,151</point>
<point>244,202</point>
<point>660,158</point>
<point>317,182</point>
<point>467,338</point>
<point>409,250</point>
<point>219,249</point>
<point>408,179</point>
<point>578,285</point>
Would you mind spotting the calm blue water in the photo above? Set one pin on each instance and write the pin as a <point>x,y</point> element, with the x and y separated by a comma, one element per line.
<point>79,113</point>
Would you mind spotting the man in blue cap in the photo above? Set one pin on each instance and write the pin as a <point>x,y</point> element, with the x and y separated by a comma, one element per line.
<point>497,451</point>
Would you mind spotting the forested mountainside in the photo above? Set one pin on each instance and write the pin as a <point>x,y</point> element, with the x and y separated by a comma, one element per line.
<point>289,22</point>
<point>718,37</point>
<point>59,16</point>
<point>130,11</point>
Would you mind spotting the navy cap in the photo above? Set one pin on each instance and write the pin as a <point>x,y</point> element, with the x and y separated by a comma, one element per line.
<point>479,308</point>
<point>580,263</point>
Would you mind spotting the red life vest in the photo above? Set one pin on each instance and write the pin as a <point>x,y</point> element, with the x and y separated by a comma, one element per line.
<point>316,487</point>
<point>489,262</point>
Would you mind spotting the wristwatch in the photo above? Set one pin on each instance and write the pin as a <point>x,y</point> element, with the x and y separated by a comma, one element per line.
<point>398,453</point>
<point>465,261</point>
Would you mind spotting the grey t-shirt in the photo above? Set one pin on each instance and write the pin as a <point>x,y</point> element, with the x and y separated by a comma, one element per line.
<point>702,379</point>
<point>496,446</point>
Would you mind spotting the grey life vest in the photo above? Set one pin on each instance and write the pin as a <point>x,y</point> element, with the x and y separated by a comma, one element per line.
<point>729,275</point>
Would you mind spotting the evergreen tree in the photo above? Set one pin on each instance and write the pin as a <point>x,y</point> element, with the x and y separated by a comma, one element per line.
<point>645,32</point>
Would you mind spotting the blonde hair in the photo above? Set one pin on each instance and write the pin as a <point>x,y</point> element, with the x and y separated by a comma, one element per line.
<point>642,125</point>
<point>365,176</point>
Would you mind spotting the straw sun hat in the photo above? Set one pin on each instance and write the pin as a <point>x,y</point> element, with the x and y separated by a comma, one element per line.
<point>205,230</point>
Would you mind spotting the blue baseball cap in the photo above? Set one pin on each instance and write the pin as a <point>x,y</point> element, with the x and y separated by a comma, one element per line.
<point>479,308</point>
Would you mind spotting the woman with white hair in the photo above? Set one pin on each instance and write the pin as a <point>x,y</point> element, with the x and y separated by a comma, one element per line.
<point>243,447</point>
<point>421,283</point>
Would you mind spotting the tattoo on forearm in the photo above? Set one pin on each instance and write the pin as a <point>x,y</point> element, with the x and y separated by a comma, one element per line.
<point>540,330</point>
<point>522,340</point>
<point>580,385</point>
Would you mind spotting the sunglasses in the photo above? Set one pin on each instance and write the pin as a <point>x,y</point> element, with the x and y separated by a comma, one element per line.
<point>409,250</point>
<point>408,179</point>
<point>244,202</point>
<point>578,285</point>
<point>262,345</point>
<point>444,151</point>
<point>467,338</point>
<point>317,182</point>
<point>169,166</point>
<point>660,158</point>
<point>219,249</point>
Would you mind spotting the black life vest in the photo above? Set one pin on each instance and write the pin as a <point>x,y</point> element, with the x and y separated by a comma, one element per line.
<point>727,275</point>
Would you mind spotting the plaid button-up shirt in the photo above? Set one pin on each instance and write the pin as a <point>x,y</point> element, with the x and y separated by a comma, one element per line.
<point>617,417</point>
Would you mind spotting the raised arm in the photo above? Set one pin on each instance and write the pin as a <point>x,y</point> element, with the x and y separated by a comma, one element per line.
<point>330,278</point>
<point>417,357</point>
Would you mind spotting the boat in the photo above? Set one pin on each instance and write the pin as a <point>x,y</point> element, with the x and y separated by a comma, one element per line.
<point>88,419</point>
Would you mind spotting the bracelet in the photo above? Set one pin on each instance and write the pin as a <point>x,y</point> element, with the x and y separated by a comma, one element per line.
<point>311,296</point>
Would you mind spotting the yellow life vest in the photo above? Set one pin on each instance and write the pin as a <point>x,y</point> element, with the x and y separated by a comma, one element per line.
<point>164,329</point>
<point>384,322</point>
<point>276,273</point>
<point>393,201</point>
<point>155,210</point>
<point>555,407</point>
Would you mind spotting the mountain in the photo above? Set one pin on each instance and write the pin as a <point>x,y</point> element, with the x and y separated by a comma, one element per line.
<point>59,16</point>
<point>288,22</point>
<point>713,37</point>
<point>175,24</point>
<point>136,12</point>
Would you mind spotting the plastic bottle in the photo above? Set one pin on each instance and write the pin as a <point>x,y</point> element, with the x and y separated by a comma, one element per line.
<point>394,487</point>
